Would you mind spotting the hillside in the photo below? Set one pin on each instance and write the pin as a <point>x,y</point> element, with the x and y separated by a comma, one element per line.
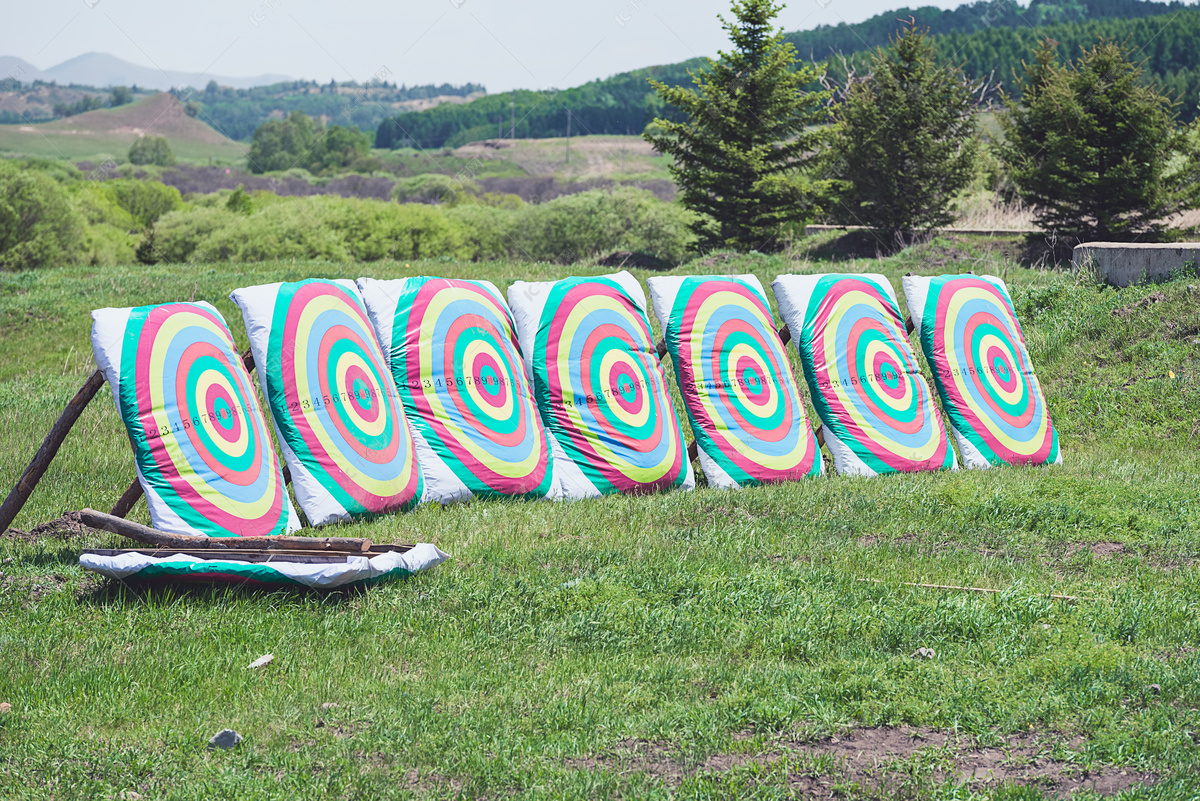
<point>108,133</point>
<point>991,39</point>
<point>818,43</point>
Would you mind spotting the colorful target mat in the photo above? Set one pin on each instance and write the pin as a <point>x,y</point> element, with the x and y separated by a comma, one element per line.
<point>340,423</point>
<point>876,410</point>
<point>973,341</point>
<point>354,572</point>
<point>599,386</point>
<point>453,352</point>
<point>200,442</point>
<point>741,398</point>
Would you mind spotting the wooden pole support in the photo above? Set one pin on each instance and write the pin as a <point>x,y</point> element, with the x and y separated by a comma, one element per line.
<point>785,335</point>
<point>161,539</point>
<point>41,460</point>
<point>128,500</point>
<point>693,451</point>
<point>909,325</point>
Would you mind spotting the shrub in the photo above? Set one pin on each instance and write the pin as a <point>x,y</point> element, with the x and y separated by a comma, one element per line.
<point>372,230</point>
<point>144,201</point>
<point>151,150</point>
<point>39,226</point>
<point>294,230</point>
<point>431,188</point>
<point>592,223</point>
<point>105,245</point>
<point>489,232</point>
<point>179,234</point>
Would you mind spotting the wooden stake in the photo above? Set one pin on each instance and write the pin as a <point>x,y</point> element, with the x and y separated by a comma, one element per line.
<point>909,325</point>
<point>41,460</point>
<point>693,451</point>
<point>128,500</point>
<point>661,348</point>
<point>161,539</point>
<point>785,335</point>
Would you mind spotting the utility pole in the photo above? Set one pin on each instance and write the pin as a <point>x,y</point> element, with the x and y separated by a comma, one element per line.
<point>512,119</point>
<point>568,136</point>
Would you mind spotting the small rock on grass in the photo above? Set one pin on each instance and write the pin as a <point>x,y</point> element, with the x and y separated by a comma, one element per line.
<point>5,709</point>
<point>262,661</point>
<point>225,738</point>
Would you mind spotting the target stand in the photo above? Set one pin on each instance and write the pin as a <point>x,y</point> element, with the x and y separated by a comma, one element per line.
<point>27,483</point>
<point>266,561</point>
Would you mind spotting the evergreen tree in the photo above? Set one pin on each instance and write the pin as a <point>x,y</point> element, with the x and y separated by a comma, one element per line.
<point>1093,148</point>
<point>739,154</point>
<point>904,141</point>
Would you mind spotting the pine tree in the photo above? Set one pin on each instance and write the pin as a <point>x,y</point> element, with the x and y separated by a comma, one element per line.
<point>738,157</point>
<point>1094,148</point>
<point>904,140</point>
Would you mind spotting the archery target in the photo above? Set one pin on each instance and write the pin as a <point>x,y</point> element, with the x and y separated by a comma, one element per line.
<point>737,386</point>
<point>201,447</point>
<point>335,406</point>
<point>453,352</point>
<point>971,337</point>
<point>599,386</point>
<point>866,383</point>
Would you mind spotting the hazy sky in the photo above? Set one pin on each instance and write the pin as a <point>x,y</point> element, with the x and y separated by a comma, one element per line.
<point>502,44</point>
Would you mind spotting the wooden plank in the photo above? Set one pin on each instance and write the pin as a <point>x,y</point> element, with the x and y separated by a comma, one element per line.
<point>161,539</point>
<point>45,454</point>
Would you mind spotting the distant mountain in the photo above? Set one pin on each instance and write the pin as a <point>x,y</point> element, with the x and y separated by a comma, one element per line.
<point>102,70</point>
<point>18,69</point>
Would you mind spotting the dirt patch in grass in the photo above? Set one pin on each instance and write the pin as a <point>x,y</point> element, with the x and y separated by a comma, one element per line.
<point>64,528</point>
<point>881,761</point>
<point>1099,550</point>
<point>1141,305</point>
<point>415,782</point>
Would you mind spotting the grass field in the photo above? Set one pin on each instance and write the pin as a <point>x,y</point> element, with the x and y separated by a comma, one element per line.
<point>714,644</point>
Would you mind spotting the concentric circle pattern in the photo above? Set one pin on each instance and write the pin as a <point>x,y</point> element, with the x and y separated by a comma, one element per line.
<point>197,429</point>
<point>738,388</point>
<point>457,363</point>
<point>983,371</point>
<point>334,401</point>
<point>602,391</point>
<point>865,379</point>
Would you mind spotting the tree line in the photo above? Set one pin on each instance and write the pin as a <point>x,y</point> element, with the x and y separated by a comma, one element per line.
<point>238,112</point>
<point>1087,143</point>
<point>995,46</point>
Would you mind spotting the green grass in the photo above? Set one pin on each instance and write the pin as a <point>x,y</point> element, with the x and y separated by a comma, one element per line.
<point>700,624</point>
<point>101,147</point>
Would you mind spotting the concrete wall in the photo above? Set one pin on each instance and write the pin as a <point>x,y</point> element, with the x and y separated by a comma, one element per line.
<point>1125,263</point>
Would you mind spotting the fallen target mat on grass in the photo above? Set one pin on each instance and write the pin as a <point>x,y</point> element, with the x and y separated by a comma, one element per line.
<point>315,571</point>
